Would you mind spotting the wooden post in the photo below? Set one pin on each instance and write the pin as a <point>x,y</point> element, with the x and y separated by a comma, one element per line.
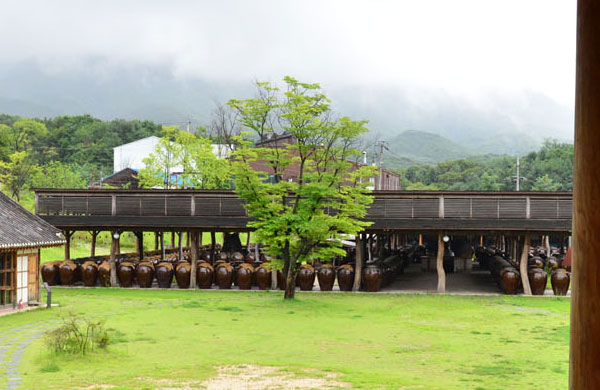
<point>181,246</point>
<point>523,264</point>
<point>113,254</point>
<point>94,237</point>
<point>481,240</point>
<point>359,263</point>
<point>155,241</point>
<point>162,246</point>
<point>140,244</point>
<point>118,251</point>
<point>194,259</point>
<point>585,310</point>
<point>248,241</point>
<point>441,286</point>
<point>68,234</point>
<point>420,239</point>
<point>173,239</point>
<point>213,242</point>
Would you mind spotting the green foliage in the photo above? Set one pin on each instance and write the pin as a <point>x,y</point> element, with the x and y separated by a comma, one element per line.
<point>549,169</point>
<point>15,173</point>
<point>77,335</point>
<point>58,175</point>
<point>292,217</point>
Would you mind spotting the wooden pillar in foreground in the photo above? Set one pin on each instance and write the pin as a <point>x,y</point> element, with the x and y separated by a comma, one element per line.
<point>585,298</point>
<point>156,241</point>
<point>94,234</point>
<point>113,254</point>
<point>162,246</point>
<point>523,265</point>
<point>140,244</point>
<point>181,246</point>
<point>441,286</point>
<point>213,242</point>
<point>194,259</point>
<point>359,263</point>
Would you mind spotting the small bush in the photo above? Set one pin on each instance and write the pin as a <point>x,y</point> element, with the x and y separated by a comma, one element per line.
<point>77,335</point>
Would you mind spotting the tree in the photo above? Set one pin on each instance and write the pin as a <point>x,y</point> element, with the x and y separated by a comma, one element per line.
<point>158,170</point>
<point>58,175</point>
<point>545,183</point>
<point>25,132</point>
<point>15,173</point>
<point>304,218</point>
<point>489,182</point>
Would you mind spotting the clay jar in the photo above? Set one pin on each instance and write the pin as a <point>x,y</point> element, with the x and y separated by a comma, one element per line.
<point>125,273</point>
<point>263,277</point>
<point>537,280</point>
<point>145,274</point>
<point>164,274</point>
<point>509,280</point>
<point>50,272</point>
<point>560,280</point>
<point>204,275</point>
<point>372,278</point>
<point>224,274</point>
<point>345,276</point>
<point>552,263</point>
<point>182,274</point>
<point>237,257</point>
<point>104,274</point>
<point>536,262</point>
<point>244,276</point>
<point>67,271</point>
<point>89,273</point>
<point>326,277</point>
<point>306,277</point>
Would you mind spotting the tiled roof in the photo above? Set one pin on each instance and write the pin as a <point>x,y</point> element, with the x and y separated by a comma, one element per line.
<point>21,229</point>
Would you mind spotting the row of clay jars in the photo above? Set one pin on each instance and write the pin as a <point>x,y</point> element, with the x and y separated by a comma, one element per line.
<point>538,278</point>
<point>60,272</point>
<point>560,280</point>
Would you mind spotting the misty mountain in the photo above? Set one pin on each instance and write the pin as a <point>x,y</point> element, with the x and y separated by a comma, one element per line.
<point>501,124</point>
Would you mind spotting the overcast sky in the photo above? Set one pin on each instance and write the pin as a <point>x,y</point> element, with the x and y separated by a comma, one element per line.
<point>466,48</point>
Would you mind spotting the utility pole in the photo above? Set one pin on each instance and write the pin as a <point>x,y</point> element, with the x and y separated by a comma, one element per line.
<point>382,146</point>
<point>517,179</point>
<point>189,123</point>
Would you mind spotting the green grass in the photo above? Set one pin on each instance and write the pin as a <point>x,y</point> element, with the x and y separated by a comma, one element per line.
<point>372,340</point>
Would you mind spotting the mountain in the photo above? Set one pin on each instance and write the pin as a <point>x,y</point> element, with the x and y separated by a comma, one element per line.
<point>497,124</point>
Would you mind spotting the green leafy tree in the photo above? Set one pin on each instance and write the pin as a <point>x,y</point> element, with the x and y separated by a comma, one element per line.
<point>58,175</point>
<point>489,182</point>
<point>159,165</point>
<point>202,169</point>
<point>15,173</point>
<point>545,183</point>
<point>25,132</point>
<point>305,218</point>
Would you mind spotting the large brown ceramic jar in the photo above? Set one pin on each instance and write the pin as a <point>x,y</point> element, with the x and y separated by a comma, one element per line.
<point>306,277</point>
<point>509,280</point>
<point>204,275</point>
<point>237,257</point>
<point>326,277</point>
<point>249,258</point>
<point>50,273</point>
<point>125,272</point>
<point>263,277</point>
<point>89,273</point>
<point>182,274</point>
<point>224,273</point>
<point>145,274</point>
<point>67,271</point>
<point>164,274</point>
<point>244,276</point>
<point>222,256</point>
<point>560,280</point>
<point>552,263</point>
<point>104,274</point>
<point>537,280</point>
<point>372,278</point>
<point>345,276</point>
<point>536,262</point>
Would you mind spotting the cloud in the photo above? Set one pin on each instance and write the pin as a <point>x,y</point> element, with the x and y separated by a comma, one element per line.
<point>463,47</point>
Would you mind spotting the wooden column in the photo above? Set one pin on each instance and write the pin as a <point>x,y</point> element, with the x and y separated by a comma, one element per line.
<point>213,242</point>
<point>113,254</point>
<point>359,263</point>
<point>94,234</point>
<point>194,259</point>
<point>68,234</point>
<point>155,241</point>
<point>585,298</point>
<point>523,264</point>
<point>140,244</point>
<point>118,250</point>
<point>162,246</point>
<point>248,241</point>
<point>441,286</point>
<point>181,246</point>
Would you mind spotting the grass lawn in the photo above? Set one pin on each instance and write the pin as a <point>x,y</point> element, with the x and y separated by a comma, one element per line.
<point>166,338</point>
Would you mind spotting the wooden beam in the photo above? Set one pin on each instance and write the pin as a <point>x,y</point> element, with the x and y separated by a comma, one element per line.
<point>194,259</point>
<point>359,263</point>
<point>585,291</point>
<point>112,261</point>
<point>68,234</point>
<point>523,264</point>
<point>441,286</point>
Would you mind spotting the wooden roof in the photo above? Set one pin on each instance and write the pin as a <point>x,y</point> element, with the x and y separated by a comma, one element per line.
<point>21,229</point>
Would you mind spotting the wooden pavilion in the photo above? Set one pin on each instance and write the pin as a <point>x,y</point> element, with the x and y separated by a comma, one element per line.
<point>22,234</point>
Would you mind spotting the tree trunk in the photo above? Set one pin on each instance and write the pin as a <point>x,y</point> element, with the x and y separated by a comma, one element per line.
<point>290,282</point>
<point>194,259</point>
<point>94,237</point>
<point>523,265</point>
<point>441,287</point>
<point>113,264</point>
<point>359,263</point>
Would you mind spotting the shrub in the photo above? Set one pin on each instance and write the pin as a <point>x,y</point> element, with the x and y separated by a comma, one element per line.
<point>77,335</point>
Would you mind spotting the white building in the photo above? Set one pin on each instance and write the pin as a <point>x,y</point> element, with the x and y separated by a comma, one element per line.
<point>131,155</point>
